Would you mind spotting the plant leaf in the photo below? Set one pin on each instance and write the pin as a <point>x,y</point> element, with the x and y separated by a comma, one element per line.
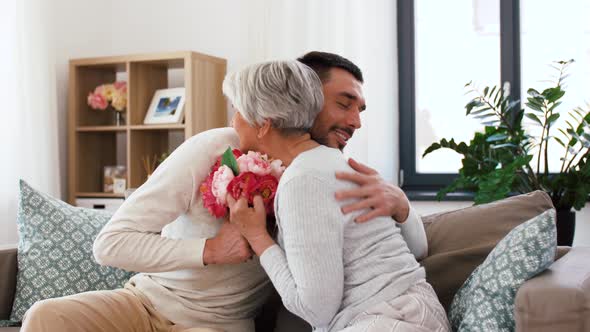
<point>490,123</point>
<point>552,118</point>
<point>478,111</point>
<point>505,145</point>
<point>512,106</point>
<point>559,141</point>
<point>554,106</point>
<point>496,137</point>
<point>484,116</point>
<point>533,92</point>
<point>533,105</point>
<point>553,94</point>
<point>534,118</point>
<point>492,91</point>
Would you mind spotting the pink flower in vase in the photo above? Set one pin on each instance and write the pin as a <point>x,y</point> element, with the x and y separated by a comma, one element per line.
<point>99,90</point>
<point>97,101</point>
<point>121,86</point>
<point>108,91</point>
<point>119,101</point>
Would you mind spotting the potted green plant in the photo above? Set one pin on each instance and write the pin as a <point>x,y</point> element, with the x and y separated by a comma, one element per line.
<point>500,161</point>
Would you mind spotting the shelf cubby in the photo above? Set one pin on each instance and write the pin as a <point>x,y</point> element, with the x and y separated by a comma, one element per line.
<point>96,141</point>
<point>95,150</point>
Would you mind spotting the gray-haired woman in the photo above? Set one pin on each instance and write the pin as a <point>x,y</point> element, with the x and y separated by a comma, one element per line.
<point>334,273</point>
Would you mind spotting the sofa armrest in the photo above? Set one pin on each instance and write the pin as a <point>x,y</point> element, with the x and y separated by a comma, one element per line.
<point>559,298</point>
<point>8,269</point>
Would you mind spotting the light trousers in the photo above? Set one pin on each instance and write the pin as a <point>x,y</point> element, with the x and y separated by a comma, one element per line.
<point>416,310</point>
<point>119,310</point>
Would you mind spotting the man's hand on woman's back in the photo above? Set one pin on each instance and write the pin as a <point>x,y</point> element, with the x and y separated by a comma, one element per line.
<point>382,197</point>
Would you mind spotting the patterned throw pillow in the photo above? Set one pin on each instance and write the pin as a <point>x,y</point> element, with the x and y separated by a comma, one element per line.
<point>55,251</point>
<point>485,302</point>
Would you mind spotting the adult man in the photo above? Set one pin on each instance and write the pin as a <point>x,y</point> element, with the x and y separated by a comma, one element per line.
<point>196,271</point>
<point>340,117</point>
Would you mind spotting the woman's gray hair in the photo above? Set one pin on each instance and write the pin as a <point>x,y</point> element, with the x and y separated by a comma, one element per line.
<point>288,93</point>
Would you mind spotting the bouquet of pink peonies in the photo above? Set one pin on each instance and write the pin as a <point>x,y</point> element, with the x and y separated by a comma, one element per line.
<point>241,175</point>
<point>115,94</point>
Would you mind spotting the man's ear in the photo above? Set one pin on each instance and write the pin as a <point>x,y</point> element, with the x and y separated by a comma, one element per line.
<point>264,129</point>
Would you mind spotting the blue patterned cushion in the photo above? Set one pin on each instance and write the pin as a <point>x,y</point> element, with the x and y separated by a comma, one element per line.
<point>55,251</point>
<point>485,302</point>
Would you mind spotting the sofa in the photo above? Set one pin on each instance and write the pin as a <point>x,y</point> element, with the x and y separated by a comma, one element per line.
<point>558,299</point>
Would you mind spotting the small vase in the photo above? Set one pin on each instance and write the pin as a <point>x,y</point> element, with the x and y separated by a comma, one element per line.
<point>119,119</point>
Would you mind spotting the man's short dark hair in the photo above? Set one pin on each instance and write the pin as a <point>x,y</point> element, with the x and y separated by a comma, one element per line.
<point>322,62</point>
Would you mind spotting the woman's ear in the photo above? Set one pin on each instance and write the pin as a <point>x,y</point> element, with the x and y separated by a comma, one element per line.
<point>264,129</point>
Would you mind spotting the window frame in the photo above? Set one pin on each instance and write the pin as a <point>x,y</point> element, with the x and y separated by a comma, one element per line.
<point>423,186</point>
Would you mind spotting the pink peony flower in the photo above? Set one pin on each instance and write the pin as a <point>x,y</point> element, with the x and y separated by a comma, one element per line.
<point>254,162</point>
<point>221,178</point>
<point>257,176</point>
<point>97,101</point>
<point>209,200</point>
<point>277,168</point>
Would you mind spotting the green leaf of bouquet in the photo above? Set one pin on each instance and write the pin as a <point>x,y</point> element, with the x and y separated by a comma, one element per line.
<point>228,159</point>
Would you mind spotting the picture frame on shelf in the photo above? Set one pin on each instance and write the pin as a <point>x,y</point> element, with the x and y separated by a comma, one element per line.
<point>167,107</point>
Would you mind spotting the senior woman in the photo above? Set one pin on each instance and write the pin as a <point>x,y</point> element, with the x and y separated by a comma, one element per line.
<point>336,274</point>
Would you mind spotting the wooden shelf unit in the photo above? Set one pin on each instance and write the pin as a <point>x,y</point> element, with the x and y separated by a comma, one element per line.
<point>95,141</point>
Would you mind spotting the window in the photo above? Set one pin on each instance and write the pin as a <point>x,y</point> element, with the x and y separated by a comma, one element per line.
<point>566,37</point>
<point>443,45</point>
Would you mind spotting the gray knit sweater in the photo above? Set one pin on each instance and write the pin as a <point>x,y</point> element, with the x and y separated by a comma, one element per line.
<point>328,268</point>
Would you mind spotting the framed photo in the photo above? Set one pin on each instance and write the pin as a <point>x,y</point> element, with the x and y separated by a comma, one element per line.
<point>115,179</point>
<point>167,106</point>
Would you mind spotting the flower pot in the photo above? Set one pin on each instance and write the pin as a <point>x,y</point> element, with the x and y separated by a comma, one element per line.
<point>566,226</point>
